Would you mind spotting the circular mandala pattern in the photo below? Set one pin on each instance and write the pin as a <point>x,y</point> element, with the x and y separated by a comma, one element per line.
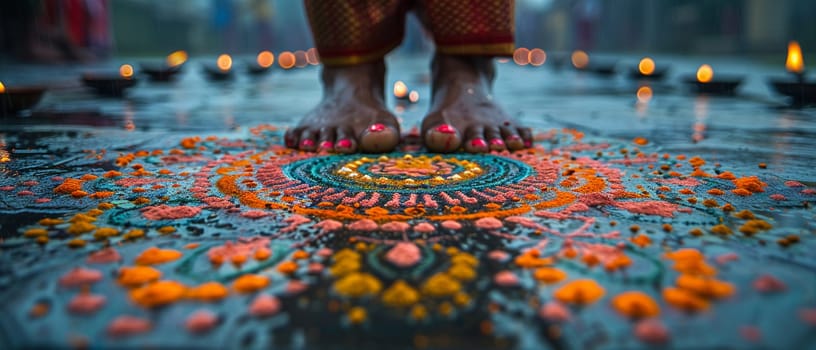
<point>409,173</point>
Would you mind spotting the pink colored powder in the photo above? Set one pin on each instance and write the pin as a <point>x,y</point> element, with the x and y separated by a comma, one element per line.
<point>30,183</point>
<point>25,193</point>
<point>451,225</point>
<point>395,226</point>
<point>651,331</point>
<point>792,183</point>
<point>688,182</point>
<point>778,197</point>
<point>324,252</point>
<point>264,305</point>
<point>201,321</point>
<point>363,225</point>
<point>294,222</point>
<point>424,227</point>
<point>808,316</point>
<point>315,268</point>
<point>6,188</point>
<point>769,284</point>
<point>79,277</point>
<point>166,212</point>
<point>726,258</point>
<point>138,181</point>
<point>506,279</point>
<point>809,191</point>
<point>498,255</point>
<point>295,287</point>
<point>329,225</point>
<point>85,303</point>
<point>217,202</point>
<point>128,325</point>
<point>751,333</point>
<point>104,256</point>
<point>555,312</point>
<point>663,209</point>
<point>255,214</point>
<point>404,254</point>
<point>489,223</point>
<point>42,200</point>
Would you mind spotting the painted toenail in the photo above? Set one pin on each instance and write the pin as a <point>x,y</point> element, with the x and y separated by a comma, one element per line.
<point>446,129</point>
<point>478,143</point>
<point>326,145</point>
<point>528,144</point>
<point>377,127</point>
<point>497,142</point>
<point>307,143</point>
<point>344,143</point>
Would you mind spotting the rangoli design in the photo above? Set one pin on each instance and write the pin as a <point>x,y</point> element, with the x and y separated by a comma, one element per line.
<point>575,243</point>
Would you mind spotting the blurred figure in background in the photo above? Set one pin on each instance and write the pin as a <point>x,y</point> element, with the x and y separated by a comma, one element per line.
<point>587,15</point>
<point>263,13</point>
<point>52,31</point>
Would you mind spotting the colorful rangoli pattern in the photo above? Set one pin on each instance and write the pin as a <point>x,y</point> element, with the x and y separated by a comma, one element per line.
<point>575,243</point>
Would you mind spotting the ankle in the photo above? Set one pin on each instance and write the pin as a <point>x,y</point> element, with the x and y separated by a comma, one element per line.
<point>468,68</point>
<point>358,79</point>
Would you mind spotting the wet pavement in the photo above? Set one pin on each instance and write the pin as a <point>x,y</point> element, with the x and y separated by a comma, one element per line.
<point>72,133</point>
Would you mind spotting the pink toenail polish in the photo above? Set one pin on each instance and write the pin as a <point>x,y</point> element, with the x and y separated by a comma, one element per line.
<point>446,129</point>
<point>497,142</point>
<point>528,144</point>
<point>344,143</point>
<point>307,143</point>
<point>478,143</point>
<point>326,145</point>
<point>377,127</point>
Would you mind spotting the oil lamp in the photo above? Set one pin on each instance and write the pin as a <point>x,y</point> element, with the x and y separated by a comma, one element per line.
<point>799,89</point>
<point>648,70</point>
<point>262,63</point>
<point>580,60</point>
<point>15,99</point>
<point>107,84</point>
<point>167,70</point>
<point>705,82</point>
<point>222,70</point>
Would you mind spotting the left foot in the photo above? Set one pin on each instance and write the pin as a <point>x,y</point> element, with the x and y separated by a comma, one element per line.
<point>463,113</point>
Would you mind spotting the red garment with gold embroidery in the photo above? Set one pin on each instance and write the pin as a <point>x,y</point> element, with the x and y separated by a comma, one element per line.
<point>356,31</point>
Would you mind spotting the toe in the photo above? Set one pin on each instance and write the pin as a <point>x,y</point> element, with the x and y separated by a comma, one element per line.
<point>512,138</point>
<point>345,141</point>
<point>379,138</point>
<point>325,143</point>
<point>443,138</point>
<point>494,139</point>
<point>307,141</point>
<point>474,140</point>
<point>527,136</point>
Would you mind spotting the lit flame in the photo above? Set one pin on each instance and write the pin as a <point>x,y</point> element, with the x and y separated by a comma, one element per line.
<point>705,73</point>
<point>644,94</point>
<point>177,58</point>
<point>413,97</point>
<point>400,89</point>
<point>580,59</point>
<point>126,71</point>
<point>312,56</point>
<point>286,60</point>
<point>2,88</point>
<point>646,66</point>
<point>795,63</point>
<point>224,62</point>
<point>521,56</point>
<point>265,59</point>
<point>537,57</point>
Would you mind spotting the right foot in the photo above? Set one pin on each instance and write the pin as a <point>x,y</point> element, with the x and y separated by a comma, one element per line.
<point>352,115</point>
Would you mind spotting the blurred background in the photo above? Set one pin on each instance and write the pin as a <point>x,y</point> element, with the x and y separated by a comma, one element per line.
<point>87,30</point>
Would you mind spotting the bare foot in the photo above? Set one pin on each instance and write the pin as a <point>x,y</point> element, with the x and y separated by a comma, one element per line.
<point>463,113</point>
<point>352,115</point>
